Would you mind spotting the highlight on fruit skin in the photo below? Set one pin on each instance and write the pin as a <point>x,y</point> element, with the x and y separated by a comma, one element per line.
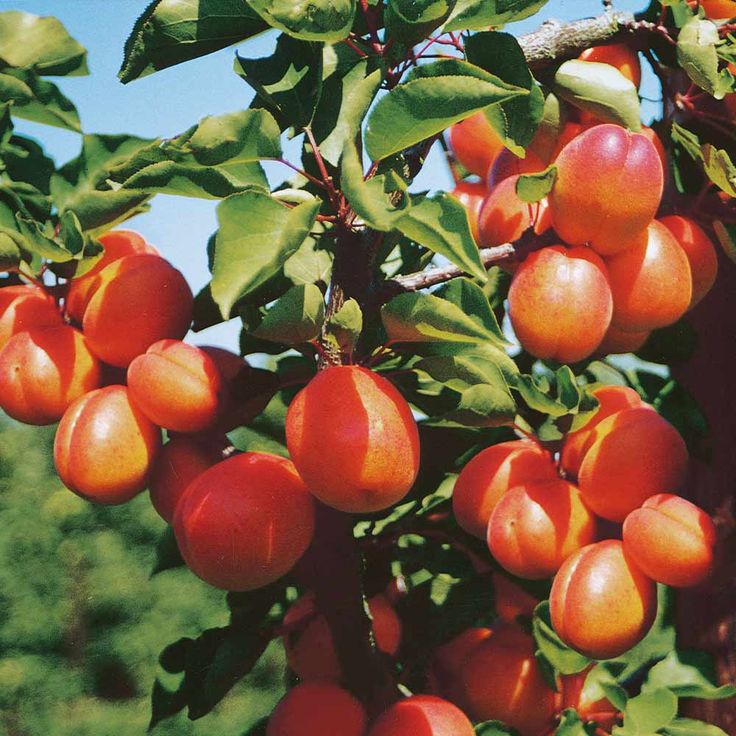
<point>422,715</point>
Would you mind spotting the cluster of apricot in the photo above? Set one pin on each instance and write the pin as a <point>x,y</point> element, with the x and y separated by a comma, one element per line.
<point>617,273</point>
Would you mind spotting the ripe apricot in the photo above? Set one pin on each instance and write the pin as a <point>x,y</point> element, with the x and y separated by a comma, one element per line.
<point>317,709</point>
<point>587,698</point>
<point>244,522</point>
<point>671,540</point>
<point>177,386</point>
<point>700,252</point>
<point>601,603</point>
<point>616,341</point>
<point>650,281</point>
<point>139,299</point>
<point>511,600</point>
<point>310,649</point>
<point>422,715</point>
<point>42,371</point>
<point>470,194</point>
<point>484,480</point>
<point>24,308</point>
<point>560,303</point>
<point>449,658</point>
<point>620,55</point>
<point>475,144</point>
<point>719,9</point>
<point>608,187</point>
<point>105,446</point>
<point>509,164</point>
<point>353,439</point>
<point>632,455</point>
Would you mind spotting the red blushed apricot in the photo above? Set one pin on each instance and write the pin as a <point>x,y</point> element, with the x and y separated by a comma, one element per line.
<point>422,715</point>
<point>560,303</point>
<point>608,187</point>
<point>353,439</point>
<point>632,454</point>
<point>484,480</point>
<point>620,55</point>
<point>649,133</point>
<point>180,461</point>
<point>700,252</point>
<point>511,600</point>
<point>317,709</point>
<point>117,243</point>
<point>310,649</point>
<point>139,300</point>
<point>671,540</point>
<point>601,603</point>
<point>650,281</point>
<point>244,522</point>
<point>25,308</point>
<point>43,371</point>
<point>502,681</point>
<point>475,144</point>
<point>470,195</point>
<point>105,446</point>
<point>718,9</point>
<point>509,164</point>
<point>537,525</point>
<point>177,386</point>
<point>616,341</point>
<point>611,400</point>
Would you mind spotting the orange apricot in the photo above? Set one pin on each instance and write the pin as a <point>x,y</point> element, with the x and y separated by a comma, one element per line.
<point>560,303</point>
<point>449,658</point>
<point>616,341</point>
<point>608,188</point>
<point>649,133</point>
<point>620,55</point>
<point>470,194</point>
<point>484,480</point>
<point>105,446</point>
<point>671,540</point>
<point>353,439</point>
<point>650,281</point>
<point>24,308</point>
<point>511,600</point>
<point>700,252</point>
<point>245,521</point>
<point>42,371</point>
<point>177,386</point>
<point>422,715</point>
<point>475,144</point>
<point>509,164</point>
<point>719,9</point>
<point>632,455</point>
<point>601,603</point>
<point>317,709</point>
<point>139,300</point>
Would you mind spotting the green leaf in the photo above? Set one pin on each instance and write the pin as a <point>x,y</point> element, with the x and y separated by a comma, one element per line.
<point>535,187</point>
<point>726,234</point>
<point>168,556</point>
<point>10,254</point>
<point>563,659</point>
<point>473,300</point>
<point>256,236</point>
<point>650,711</point>
<point>688,674</point>
<point>484,405</point>
<point>170,32</point>
<point>310,20</point>
<point>346,325</point>
<point>410,21</point>
<point>309,265</point>
<point>719,168</point>
<point>570,724</point>
<point>40,243</point>
<point>493,728</point>
<point>691,727</point>
<point>295,318</point>
<point>438,95</point>
<point>601,90</point>
<point>697,55</point>
<point>478,15</point>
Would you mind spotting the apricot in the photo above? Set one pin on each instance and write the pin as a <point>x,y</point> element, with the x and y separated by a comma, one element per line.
<point>484,480</point>
<point>632,455</point>
<point>139,300</point>
<point>470,195</point>
<point>511,600</point>
<point>560,303</point>
<point>700,252</point>
<point>24,308</point>
<point>649,133</point>
<point>502,681</point>
<point>475,144</point>
<point>650,281</point>
<point>671,540</point>
<point>422,715</point>
<point>601,603</point>
<point>244,522</point>
<point>105,446</point>
<point>509,164</point>
<point>587,699</point>
<point>177,386</point>
<point>317,709</point>
<point>353,439</point>
<point>619,55</point>
<point>719,9</point>
<point>228,363</point>
<point>310,649</point>
<point>616,341</point>
<point>42,371</point>
<point>608,188</point>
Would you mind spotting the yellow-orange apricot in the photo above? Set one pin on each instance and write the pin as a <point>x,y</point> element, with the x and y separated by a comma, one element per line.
<point>650,281</point>
<point>587,699</point>
<point>608,188</point>
<point>105,446</point>
<point>601,603</point>
<point>470,195</point>
<point>373,441</point>
<point>43,371</point>
<point>671,540</point>
<point>718,9</point>
<point>310,649</point>
<point>502,681</point>
<point>537,525</point>
<point>616,341</point>
<point>24,308</point>
<point>509,164</point>
<point>511,600</point>
<point>560,303</point>
<point>245,522</point>
<point>475,144</point>
<point>632,455</point>
<point>177,386</point>
<point>317,709</point>
<point>620,55</point>
<point>484,480</point>
<point>139,300</point>
<point>422,715</point>
<point>700,252</point>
